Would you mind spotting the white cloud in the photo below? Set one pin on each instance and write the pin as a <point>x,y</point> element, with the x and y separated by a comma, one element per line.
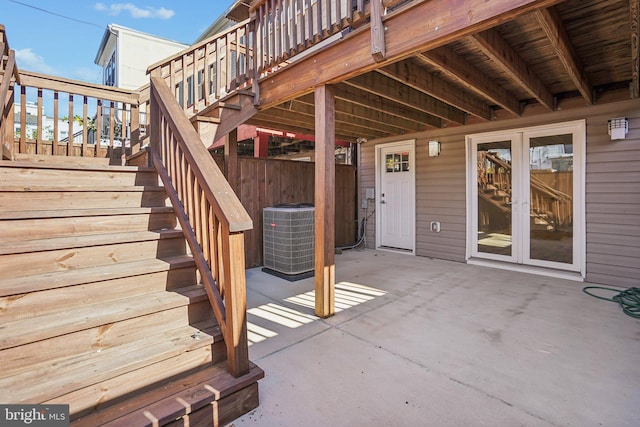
<point>115,9</point>
<point>27,59</point>
<point>91,75</point>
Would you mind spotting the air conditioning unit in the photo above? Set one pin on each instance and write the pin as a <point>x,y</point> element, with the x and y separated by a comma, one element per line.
<point>288,239</point>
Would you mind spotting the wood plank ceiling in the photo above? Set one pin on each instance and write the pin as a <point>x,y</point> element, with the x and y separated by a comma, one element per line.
<point>576,53</point>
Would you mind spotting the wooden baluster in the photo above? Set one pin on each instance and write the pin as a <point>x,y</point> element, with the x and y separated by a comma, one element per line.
<point>54,144</point>
<point>123,135</point>
<point>99,127</point>
<point>286,36</point>
<point>293,27</point>
<point>318,32</point>
<point>112,127</point>
<point>272,35</point>
<point>23,120</point>
<point>303,30</point>
<point>135,128</point>
<point>39,123</point>
<point>85,126</point>
<point>70,151</point>
<point>309,14</point>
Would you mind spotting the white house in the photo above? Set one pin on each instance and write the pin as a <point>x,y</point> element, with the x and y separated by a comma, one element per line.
<point>124,55</point>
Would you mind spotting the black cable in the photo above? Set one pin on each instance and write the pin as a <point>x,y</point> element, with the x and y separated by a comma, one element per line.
<point>629,299</point>
<point>57,14</point>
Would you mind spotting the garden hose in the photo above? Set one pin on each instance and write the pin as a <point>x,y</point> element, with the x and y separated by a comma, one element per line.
<point>628,299</point>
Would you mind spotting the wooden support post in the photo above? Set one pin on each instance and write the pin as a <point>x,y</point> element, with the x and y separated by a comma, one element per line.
<point>325,201</point>
<point>235,295</point>
<point>261,145</point>
<point>231,159</point>
<point>378,47</point>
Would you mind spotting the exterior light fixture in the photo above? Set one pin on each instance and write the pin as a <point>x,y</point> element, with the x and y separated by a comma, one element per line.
<point>434,148</point>
<point>618,128</point>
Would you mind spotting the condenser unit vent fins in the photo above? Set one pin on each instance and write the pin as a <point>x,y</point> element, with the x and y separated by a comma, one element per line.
<point>288,239</point>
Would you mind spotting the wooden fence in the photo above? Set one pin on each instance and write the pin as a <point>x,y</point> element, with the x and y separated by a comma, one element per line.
<point>268,182</point>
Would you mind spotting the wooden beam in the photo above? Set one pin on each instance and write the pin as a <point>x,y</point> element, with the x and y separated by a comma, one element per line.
<point>420,79</point>
<point>634,6</point>
<point>454,66</point>
<point>399,112</point>
<point>353,115</point>
<point>393,90</point>
<point>378,48</point>
<point>420,26</point>
<point>553,27</point>
<point>499,51</point>
<point>325,186</point>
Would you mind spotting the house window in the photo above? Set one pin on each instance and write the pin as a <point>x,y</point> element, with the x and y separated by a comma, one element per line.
<point>397,162</point>
<point>110,71</point>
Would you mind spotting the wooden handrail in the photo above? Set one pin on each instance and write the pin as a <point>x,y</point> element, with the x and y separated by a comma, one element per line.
<point>209,212</point>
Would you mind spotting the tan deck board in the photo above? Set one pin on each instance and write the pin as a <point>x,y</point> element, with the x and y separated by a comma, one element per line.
<point>22,331</point>
<point>85,241</point>
<point>53,280</point>
<point>47,381</point>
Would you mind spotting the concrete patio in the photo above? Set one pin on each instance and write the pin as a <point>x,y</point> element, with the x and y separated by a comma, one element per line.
<point>421,342</point>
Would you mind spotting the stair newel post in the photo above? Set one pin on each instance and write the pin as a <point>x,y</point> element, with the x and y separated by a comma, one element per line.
<point>154,117</point>
<point>235,301</point>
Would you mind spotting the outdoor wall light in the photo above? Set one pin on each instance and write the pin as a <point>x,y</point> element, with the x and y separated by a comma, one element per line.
<point>618,128</point>
<point>434,148</point>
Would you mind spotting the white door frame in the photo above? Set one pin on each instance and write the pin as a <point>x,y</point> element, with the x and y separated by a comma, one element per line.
<point>410,144</point>
<point>522,136</point>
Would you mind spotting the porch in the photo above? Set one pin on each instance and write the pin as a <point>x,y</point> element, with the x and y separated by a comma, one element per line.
<point>418,341</point>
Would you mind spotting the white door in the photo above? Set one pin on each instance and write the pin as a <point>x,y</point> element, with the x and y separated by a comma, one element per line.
<point>526,196</point>
<point>395,207</point>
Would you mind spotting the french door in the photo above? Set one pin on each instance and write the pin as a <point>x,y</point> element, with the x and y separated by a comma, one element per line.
<point>526,203</point>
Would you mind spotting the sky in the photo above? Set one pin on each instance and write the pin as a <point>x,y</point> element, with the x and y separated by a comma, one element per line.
<point>61,38</point>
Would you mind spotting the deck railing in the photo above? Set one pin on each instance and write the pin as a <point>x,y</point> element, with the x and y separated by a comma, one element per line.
<point>62,117</point>
<point>276,33</point>
<point>211,216</point>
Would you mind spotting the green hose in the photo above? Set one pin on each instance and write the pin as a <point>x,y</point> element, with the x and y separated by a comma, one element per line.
<point>629,299</point>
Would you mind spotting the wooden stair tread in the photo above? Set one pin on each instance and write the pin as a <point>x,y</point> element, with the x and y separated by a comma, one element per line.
<point>24,284</point>
<point>73,166</point>
<point>49,380</point>
<point>78,188</point>
<point>83,241</point>
<point>69,213</point>
<point>40,158</point>
<point>173,399</point>
<point>55,324</point>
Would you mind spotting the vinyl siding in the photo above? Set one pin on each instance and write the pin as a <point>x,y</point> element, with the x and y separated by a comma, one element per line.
<point>612,196</point>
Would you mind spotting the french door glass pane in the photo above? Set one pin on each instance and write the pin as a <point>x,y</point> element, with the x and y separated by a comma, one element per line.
<point>494,198</point>
<point>551,203</point>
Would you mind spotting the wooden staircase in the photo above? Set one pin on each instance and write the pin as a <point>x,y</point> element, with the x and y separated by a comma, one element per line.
<point>100,302</point>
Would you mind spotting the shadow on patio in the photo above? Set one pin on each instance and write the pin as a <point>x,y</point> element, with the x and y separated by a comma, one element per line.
<point>427,342</point>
